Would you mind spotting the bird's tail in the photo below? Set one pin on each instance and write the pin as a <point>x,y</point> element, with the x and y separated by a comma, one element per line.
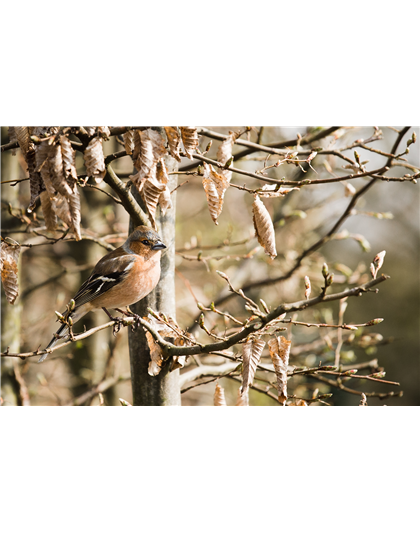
<point>57,336</point>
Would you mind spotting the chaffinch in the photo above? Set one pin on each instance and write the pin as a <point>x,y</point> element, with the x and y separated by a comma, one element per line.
<point>120,278</point>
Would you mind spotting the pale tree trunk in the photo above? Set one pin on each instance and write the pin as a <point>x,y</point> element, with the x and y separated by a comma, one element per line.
<point>10,314</point>
<point>162,389</point>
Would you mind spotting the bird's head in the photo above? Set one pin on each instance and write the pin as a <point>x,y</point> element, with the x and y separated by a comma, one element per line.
<point>144,241</point>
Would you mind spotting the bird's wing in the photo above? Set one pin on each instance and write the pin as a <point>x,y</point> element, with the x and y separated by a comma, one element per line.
<point>111,270</point>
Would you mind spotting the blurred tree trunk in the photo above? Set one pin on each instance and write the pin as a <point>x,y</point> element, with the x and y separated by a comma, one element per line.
<point>10,314</point>
<point>162,389</point>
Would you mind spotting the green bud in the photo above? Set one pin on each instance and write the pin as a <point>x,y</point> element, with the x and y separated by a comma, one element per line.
<point>201,306</point>
<point>60,316</point>
<point>329,280</point>
<point>72,305</point>
<point>325,270</point>
<point>229,162</point>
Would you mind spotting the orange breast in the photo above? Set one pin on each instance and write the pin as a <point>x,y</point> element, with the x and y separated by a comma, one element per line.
<point>141,280</point>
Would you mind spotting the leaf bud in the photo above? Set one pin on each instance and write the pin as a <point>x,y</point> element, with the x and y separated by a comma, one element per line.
<point>208,147</point>
<point>72,305</point>
<point>264,305</point>
<point>329,280</point>
<point>307,287</point>
<point>229,162</point>
<point>200,306</point>
<point>374,322</point>
<point>351,372</point>
<point>379,375</point>
<point>222,275</point>
<point>60,316</point>
<point>325,270</point>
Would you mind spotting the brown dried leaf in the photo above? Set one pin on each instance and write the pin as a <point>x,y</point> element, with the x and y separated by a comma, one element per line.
<point>152,149</point>
<point>128,138</point>
<point>219,396</point>
<point>150,192</point>
<point>224,153</point>
<point>56,168</point>
<point>70,176</point>
<point>173,332</point>
<point>94,160</point>
<point>178,361</point>
<point>74,209</point>
<point>90,130</point>
<point>243,399</point>
<point>279,351</point>
<point>135,156</point>
<point>190,139</point>
<point>251,355</point>
<point>9,257</point>
<point>165,196</point>
<point>61,208</point>
<point>69,159</point>
<point>104,131</point>
<point>215,186</point>
<point>156,356</point>
<point>23,134</point>
<point>48,211</point>
<point>36,183</point>
<point>174,141</point>
<point>264,228</point>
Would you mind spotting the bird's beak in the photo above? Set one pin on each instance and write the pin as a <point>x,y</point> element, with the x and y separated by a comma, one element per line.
<point>158,246</point>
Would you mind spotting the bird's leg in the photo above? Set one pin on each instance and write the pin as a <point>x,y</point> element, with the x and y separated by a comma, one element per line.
<point>118,322</point>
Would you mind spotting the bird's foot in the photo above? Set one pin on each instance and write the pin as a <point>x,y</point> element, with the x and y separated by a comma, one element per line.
<point>129,313</point>
<point>118,322</point>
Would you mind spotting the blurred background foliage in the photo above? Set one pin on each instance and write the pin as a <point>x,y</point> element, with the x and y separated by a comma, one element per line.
<point>50,274</point>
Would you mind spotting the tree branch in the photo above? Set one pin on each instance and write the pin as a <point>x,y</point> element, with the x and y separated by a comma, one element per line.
<point>127,199</point>
<point>170,349</point>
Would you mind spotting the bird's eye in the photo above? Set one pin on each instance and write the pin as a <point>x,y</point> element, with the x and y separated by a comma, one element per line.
<point>146,242</point>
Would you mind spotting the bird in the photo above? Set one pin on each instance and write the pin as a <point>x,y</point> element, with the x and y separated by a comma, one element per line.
<point>121,278</point>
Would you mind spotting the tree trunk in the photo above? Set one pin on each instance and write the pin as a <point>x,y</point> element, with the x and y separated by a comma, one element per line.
<point>162,389</point>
